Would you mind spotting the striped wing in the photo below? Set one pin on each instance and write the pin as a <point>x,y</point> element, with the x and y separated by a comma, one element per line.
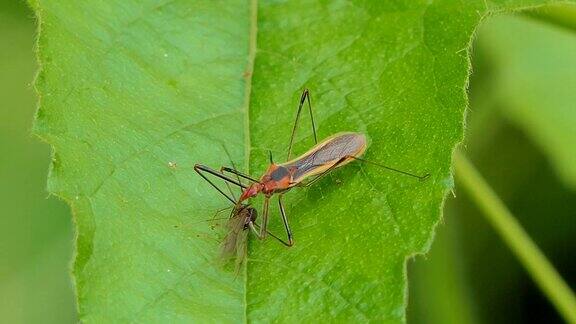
<point>326,153</point>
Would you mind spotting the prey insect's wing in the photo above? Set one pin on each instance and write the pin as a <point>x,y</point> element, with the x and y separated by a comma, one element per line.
<point>241,249</point>
<point>234,244</point>
<point>235,229</point>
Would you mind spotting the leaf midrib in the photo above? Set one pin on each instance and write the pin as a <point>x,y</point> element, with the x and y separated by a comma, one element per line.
<point>247,93</point>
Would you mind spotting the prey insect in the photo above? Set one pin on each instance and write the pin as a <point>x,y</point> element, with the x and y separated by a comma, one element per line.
<point>242,220</point>
<point>234,246</point>
<point>303,171</point>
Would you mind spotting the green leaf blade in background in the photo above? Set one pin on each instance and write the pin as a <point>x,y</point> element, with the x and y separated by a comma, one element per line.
<point>35,230</point>
<point>133,94</point>
<point>534,82</point>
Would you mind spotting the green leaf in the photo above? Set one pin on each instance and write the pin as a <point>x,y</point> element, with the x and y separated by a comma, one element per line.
<point>534,82</point>
<point>133,94</point>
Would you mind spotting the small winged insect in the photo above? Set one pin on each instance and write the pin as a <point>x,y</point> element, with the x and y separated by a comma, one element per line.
<point>333,152</point>
<point>234,245</point>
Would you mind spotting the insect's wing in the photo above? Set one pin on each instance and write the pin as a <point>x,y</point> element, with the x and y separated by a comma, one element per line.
<point>234,226</point>
<point>241,249</point>
<point>325,154</point>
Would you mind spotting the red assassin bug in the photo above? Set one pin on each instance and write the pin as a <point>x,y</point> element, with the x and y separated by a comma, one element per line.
<point>333,152</point>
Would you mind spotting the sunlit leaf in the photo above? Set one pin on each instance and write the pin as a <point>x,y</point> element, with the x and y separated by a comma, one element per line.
<point>133,94</point>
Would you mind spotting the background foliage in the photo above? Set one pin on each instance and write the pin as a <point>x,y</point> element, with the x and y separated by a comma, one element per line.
<point>35,230</point>
<point>521,81</point>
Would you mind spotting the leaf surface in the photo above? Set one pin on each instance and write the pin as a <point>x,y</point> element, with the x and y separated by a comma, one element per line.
<point>133,94</point>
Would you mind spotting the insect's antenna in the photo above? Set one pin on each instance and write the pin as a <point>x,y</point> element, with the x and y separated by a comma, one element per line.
<point>270,157</point>
<point>421,178</point>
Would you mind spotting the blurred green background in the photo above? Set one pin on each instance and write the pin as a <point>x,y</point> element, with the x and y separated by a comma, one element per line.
<point>35,230</point>
<point>520,136</point>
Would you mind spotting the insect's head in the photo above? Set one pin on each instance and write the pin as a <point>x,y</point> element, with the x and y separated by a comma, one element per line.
<point>251,191</point>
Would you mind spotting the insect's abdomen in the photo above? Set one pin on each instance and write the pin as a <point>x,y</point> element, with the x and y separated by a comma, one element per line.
<point>326,153</point>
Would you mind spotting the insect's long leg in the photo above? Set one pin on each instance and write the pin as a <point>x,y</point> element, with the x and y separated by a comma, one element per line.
<point>264,228</point>
<point>254,227</point>
<point>265,209</point>
<point>311,117</point>
<point>304,97</point>
<point>201,168</point>
<point>285,220</point>
<point>238,173</point>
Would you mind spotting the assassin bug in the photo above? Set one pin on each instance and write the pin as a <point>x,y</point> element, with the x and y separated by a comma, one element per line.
<point>333,152</point>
